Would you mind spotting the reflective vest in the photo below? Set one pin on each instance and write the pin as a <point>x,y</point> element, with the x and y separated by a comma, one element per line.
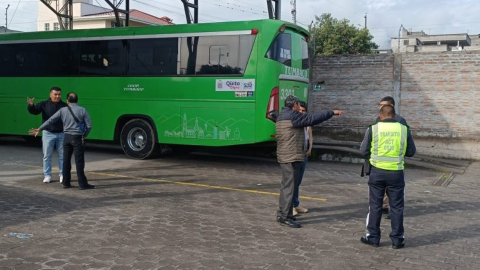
<point>389,144</point>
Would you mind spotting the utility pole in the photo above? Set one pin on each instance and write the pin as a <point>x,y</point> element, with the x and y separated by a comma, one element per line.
<point>6,18</point>
<point>399,30</point>
<point>294,11</point>
<point>365,20</point>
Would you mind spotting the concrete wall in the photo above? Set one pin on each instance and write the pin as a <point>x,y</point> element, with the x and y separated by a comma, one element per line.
<point>437,93</point>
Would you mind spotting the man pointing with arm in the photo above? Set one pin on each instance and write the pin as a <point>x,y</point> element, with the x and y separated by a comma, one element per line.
<point>74,141</point>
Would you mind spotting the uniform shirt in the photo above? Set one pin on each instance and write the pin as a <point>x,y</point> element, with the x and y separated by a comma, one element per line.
<point>69,124</point>
<point>47,108</point>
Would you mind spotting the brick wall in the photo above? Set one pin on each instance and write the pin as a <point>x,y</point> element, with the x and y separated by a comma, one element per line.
<point>435,92</point>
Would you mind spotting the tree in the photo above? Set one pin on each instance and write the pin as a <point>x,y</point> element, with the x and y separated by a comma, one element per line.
<point>331,36</point>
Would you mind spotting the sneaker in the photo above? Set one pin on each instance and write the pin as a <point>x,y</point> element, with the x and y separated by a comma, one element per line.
<point>295,212</point>
<point>47,179</point>
<point>301,209</point>
<point>398,246</point>
<point>364,240</point>
<point>61,179</point>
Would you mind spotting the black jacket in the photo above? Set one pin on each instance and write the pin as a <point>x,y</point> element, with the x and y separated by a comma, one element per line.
<point>47,108</point>
<point>290,133</point>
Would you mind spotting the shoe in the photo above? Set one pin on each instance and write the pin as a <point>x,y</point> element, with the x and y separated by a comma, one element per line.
<point>87,187</point>
<point>301,209</point>
<point>291,218</point>
<point>61,179</point>
<point>388,216</point>
<point>67,186</point>
<point>385,210</point>
<point>47,179</point>
<point>365,241</point>
<point>294,212</point>
<point>288,222</point>
<point>399,246</point>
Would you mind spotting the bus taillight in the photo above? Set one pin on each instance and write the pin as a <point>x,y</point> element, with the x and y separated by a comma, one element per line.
<point>254,31</point>
<point>272,108</point>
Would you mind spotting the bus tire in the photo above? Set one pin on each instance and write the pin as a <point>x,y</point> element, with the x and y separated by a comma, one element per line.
<point>137,139</point>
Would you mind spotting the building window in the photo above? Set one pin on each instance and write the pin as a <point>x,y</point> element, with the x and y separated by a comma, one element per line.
<point>47,26</point>
<point>56,26</point>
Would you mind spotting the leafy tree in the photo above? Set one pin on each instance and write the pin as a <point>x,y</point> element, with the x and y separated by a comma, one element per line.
<point>331,36</point>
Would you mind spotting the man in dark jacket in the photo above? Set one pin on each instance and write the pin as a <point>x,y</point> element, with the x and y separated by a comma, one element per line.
<point>385,145</point>
<point>291,152</point>
<point>74,142</point>
<point>52,136</point>
<point>388,100</point>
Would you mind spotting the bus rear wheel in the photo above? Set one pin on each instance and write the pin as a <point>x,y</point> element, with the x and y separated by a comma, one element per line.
<point>138,139</point>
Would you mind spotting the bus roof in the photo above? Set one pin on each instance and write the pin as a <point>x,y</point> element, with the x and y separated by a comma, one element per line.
<point>158,29</point>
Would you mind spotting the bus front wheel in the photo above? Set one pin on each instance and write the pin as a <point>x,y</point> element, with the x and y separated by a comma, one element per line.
<point>138,139</point>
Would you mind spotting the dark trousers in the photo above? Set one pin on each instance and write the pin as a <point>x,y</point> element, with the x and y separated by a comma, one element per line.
<point>296,194</point>
<point>74,144</point>
<point>290,179</point>
<point>393,183</point>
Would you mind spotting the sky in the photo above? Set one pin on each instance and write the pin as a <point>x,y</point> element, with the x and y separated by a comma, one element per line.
<point>384,17</point>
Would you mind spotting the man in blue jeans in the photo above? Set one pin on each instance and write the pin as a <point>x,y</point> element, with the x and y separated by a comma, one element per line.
<point>52,136</point>
<point>74,142</point>
<point>308,152</point>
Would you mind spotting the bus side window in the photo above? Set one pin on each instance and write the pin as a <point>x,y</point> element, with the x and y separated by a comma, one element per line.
<point>281,49</point>
<point>102,58</point>
<point>7,59</point>
<point>221,55</point>
<point>153,57</point>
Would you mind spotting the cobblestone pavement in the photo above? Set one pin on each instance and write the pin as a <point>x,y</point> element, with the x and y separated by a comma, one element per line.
<point>211,212</point>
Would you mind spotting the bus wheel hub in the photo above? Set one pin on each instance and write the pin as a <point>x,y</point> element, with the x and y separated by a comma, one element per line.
<point>138,139</point>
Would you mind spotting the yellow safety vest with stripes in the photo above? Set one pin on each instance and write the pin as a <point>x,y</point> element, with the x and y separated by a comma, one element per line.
<point>389,144</point>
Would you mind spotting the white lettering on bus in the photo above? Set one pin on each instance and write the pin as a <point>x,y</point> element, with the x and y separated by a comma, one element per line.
<point>284,93</point>
<point>133,87</point>
<point>296,72</point>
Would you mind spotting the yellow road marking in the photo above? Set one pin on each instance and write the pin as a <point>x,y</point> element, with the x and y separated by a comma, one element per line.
<point>189,184</point>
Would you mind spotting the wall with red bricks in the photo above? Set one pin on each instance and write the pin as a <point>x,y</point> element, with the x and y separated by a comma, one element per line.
<point>437,93</point>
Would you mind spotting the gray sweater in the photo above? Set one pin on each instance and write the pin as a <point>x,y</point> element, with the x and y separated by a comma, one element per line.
<point>69,124</point>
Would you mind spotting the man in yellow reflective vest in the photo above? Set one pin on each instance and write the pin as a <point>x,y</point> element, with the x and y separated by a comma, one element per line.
<point>386,144</point>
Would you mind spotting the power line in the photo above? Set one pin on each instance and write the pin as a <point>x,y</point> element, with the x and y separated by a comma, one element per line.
<point>241,10</point>
<point>15,11</point>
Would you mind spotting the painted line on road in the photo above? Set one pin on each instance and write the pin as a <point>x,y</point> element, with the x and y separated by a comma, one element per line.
<point>188,184</point>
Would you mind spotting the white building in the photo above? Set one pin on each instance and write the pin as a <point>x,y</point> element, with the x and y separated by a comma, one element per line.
<point>411,41</point>
<point>86,15</point>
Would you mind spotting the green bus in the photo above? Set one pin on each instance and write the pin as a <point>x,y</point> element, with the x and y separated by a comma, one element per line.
<point>212,84</point>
